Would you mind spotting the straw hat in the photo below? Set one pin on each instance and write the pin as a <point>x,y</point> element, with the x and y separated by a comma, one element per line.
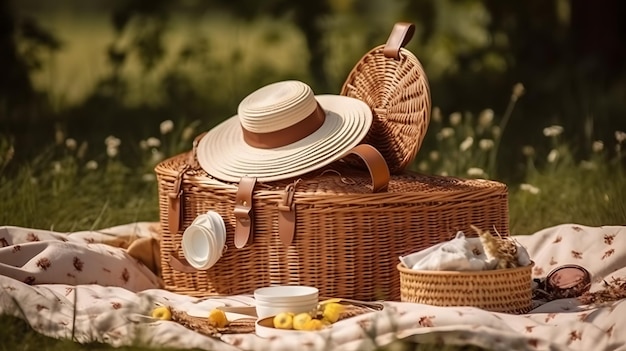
<point>283,130</point>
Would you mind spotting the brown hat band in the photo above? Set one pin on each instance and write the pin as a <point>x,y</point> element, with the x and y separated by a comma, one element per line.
<point>287,135</point>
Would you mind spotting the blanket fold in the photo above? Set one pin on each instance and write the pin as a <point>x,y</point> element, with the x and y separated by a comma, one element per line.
<point>102,285</point>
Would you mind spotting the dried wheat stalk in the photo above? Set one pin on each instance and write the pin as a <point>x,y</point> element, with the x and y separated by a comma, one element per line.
<point>504,250</point>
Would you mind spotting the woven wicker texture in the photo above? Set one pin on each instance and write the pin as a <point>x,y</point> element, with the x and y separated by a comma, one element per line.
<point>347,239</point>
<point>503,290</point>
<point>398,93</point>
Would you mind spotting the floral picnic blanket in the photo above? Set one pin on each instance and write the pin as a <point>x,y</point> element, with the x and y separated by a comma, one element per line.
<point>101,286</point>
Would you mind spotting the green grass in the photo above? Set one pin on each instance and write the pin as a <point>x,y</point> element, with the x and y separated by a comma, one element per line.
<point>62,191</point>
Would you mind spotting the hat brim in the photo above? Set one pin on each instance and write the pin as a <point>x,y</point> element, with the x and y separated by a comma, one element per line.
<point>223,153</point>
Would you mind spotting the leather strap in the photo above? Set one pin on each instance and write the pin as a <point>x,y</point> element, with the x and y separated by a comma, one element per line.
<point>401,34</point>
<point>180,263</point>
<point>287,215</point>
<point>379,171</point>
<point>244,216</point>
<point>376,164</point>
<point>175,207</point>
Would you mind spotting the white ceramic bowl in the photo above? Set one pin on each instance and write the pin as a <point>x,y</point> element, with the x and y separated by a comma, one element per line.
<point>273,300</point>
<point>284,293</point>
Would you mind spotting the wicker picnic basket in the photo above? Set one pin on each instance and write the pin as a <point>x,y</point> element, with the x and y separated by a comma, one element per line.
<point>392,81</point>
<point>501,290</point>
<point>347,226</point>
<point>346,240</point>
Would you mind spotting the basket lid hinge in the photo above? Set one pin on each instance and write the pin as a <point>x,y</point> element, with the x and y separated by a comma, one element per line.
<point>287,215</point>
<point>401,34</point>
<point>244,215</point>
<point>175,204</point>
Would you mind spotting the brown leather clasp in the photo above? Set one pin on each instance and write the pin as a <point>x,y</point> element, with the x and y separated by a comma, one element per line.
<point>244,215</point>
<point>287,215</point>
<point>175,204</point>
<point>401,34</point>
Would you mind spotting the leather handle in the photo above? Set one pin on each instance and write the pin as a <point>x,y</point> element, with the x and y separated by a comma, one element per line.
<point>401,34</point>
<point>379,171</point>
<point>376,164</point>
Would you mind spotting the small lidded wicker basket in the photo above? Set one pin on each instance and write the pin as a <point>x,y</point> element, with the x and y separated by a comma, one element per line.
<point>392,81</point>
<point>501,290</point>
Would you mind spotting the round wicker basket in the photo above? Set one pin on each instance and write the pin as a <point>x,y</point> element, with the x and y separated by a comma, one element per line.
<point>392,81</point>
<point>502,290</point>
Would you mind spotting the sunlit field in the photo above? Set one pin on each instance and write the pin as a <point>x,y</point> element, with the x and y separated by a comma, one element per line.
<point>76,183</point>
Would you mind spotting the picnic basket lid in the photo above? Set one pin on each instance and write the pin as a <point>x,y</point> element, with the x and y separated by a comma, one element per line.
<point>392,81</point>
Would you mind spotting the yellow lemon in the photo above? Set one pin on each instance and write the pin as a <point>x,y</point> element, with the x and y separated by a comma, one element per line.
<point>332,311</point>
<point>162,312</point>
<point>300,320</point>
<point>314,324</point>
<point>217,318</point>
<point>283,320</point>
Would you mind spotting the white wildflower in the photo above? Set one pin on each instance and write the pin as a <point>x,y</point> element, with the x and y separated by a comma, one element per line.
<point>606,197</point>
<point>157,155</point>
<point>443,174</point>
<point>112,151</point>
<point>436,114</point>
<point>434,155</point>
<point>620,136</point>
<point>466,144</point>
<point>71,143</point>
<point>455,118</point>
<point>529,188</point>
<point>552,131</point>
<point>91,165</point>
<point>597,146</point>
<point>56,167</point>
<point>518,91</point>
<point>553,155</point>
<point>423,166</point>
<point>144,145</point>
<point>475,172</point>
<point>528,151</point>
<point>187,134</point>
<point>153,142</point>
<point>588,165</point>
<point>112,142</point>
<point>445,133</point>
<point>485,144</point>
<point>485,118</point>
<point>166,126</point>
<point>148,177</point>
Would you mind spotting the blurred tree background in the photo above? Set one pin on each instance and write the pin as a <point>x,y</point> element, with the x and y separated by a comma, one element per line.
<point>89,69</point>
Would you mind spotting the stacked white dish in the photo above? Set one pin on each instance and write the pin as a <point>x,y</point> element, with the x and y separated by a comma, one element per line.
<point>273,300</point>
<point>204,240</point>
